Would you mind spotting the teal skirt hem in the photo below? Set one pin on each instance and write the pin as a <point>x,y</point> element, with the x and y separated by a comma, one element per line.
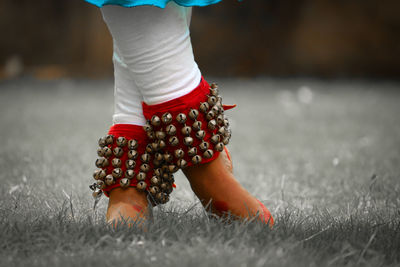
<point>157,3</point>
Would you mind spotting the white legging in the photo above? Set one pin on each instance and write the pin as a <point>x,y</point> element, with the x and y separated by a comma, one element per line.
<point>153,57</point>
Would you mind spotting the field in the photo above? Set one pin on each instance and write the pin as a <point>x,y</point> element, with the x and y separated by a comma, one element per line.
<point>323,156</point>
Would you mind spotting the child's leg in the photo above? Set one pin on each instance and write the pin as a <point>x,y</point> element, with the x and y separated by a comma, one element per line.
<point>155,45</point>
<point>131,30</point>
<point>126,203</point>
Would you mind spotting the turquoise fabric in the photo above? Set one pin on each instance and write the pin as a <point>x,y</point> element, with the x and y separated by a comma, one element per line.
<point>158,3</point>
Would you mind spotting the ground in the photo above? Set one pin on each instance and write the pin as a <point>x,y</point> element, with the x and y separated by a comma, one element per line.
<point>323,156</point>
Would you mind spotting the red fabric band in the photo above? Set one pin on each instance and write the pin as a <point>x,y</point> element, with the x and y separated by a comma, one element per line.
<point>184,104</point>
<point>128,131</point>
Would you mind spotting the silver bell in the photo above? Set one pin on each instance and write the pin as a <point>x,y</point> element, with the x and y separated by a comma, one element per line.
<point>222,130</point>
<point>109,180</point>
<point>172,168</point>
<point>149,148</point>
<point>130,174</point>
<point>118,152</point>
<point>182,163</point>
<point>130,164</point>
<point>188,141</point>
<point>100,152</point>
<point>226,122</point>
<point>221,109</point>
<point>96,174</point>
<point>141,186</point>
<point>160,135</point>
<point>101,184</point>
<point>145,158</point>
<point>117,173</point>
<point>161,144</point>
<point>208,154</point>
<point>196,159</point>
<point>124,182</point>
<point>154,147</point>
<point>166,175</point>
<point>133,144</point>
<point>164,186</point>
<point>212,100</point>
<point>141,176</point>
<point>116,162</point>
<point>147,127</point>
<point>192,151</point>
<point>186,130</point>
<point>173,141</point>
<point>102,174</point>
<point>102,141</point>
<point>168,157</point>
<point>200,134</point>
<point>132,154</point>
<point>204,145</point>
<point>158,156</point>
<point>210,115</point>
<point>214,86</point>
<point>101,162</point>
<point>107,152</point>
<point>97,193</point>
<point>220,119</point>
<point>215,139</point>
<point>155,180</point>
<point>151,135</point>
<point>212,124</point>
<point>204,106</point>
<point>179,153</point>
<point>214,91</point>
<point>158,172</point>
<point>160,197</point>
<point>121,141</point>
<point>219,147</point>
<point>109,139</point>
<point>144,167</point>
<point>93,186</point>
<point>197,125</point>
<point>181,118</point>
<point>170,129</point>
<point>193,113</point>
<point>215,109</point>
<point>166,118</point>
<point>225,140</point>
<point>154,190</point>
<point>155,121</point>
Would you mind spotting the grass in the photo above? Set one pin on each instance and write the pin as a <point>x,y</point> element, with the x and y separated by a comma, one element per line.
<point>323,156</point>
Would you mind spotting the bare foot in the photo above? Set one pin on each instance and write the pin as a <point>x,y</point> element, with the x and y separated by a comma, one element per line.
<point>127,205</point>
<point>214,183</point>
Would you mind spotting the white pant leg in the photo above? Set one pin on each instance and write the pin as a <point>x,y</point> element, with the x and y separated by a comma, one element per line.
<point>127,97</point>
<point>155,45</point>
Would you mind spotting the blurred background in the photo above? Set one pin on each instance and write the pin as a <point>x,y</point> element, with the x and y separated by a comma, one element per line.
<point>50,39</point>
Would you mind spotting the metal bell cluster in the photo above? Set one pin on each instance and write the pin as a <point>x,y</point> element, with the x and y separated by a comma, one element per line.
<point>175,141</point>
<point>180,132</point>
<point>110,152</point>
<point>157,182</point>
